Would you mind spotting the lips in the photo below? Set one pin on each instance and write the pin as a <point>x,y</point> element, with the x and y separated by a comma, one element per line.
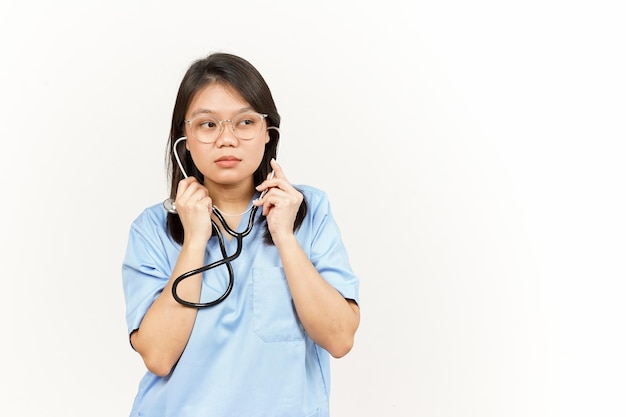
<point>227,161</point>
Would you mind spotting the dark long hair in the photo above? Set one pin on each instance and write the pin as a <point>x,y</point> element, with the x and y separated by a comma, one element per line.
<point>239,74</point>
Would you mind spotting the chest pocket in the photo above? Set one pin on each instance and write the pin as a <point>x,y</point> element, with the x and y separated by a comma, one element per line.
<point>275,318</point>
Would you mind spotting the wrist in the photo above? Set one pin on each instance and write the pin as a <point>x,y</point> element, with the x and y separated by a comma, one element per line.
<point>194,244</point>
<point>282,240</point>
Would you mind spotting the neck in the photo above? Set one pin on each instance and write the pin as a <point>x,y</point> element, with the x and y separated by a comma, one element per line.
<point>231,201</point>
<point>228,214</point>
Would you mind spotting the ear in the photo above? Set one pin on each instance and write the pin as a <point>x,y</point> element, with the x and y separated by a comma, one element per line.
<point>267,133</point>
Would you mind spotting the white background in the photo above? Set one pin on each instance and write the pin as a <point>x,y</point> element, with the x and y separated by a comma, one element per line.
<point>474,157</point>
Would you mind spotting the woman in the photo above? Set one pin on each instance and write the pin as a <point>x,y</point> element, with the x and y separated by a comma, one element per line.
<point>263,350</point>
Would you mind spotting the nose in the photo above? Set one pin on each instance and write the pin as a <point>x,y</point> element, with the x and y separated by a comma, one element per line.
<point>226,136</point>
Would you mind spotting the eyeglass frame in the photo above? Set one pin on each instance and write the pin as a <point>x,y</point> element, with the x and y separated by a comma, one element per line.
<point>262,116</point>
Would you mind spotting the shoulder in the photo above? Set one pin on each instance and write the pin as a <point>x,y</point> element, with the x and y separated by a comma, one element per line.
<point>149,229</point>
<point>151,218</point>
<point>317,203</point>
<point>314,196</point>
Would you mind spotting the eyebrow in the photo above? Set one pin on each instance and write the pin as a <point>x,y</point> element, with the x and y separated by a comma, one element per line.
<point>209,111</point>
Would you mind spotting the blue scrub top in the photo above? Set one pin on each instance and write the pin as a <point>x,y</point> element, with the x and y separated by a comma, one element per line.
<point>249,355</point>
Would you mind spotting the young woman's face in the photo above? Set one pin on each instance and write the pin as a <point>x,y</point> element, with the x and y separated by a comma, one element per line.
<point>228,161</point>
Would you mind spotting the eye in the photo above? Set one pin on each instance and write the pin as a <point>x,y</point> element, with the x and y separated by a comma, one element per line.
<point>207,124</point>
<point>246,120</point>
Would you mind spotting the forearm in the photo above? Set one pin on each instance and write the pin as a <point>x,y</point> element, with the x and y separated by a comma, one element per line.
<point>166,327</point>
<point>328,318</point>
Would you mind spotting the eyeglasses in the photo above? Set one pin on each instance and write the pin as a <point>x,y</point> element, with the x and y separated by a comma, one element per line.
<point>206,128</point>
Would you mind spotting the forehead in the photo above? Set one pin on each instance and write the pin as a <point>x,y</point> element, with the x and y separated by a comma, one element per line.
<point>217,98</point>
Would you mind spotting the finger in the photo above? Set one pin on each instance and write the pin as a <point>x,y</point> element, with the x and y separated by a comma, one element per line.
<point>192,193</point>
<point>275,199</point>
<point>184,184</point>
<point>195,192</point>
<point>263,201</point>
<point>264,187</point>
<point>278,170</point>
<point>189,181</point>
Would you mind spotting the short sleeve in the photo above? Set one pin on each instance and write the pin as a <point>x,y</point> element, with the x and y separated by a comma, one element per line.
<point>327,251</point>
<point>146,268</point>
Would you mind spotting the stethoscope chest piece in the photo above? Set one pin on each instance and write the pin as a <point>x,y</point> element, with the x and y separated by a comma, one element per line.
<point>170,205</point>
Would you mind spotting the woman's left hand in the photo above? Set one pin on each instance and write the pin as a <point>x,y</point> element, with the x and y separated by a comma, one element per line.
<point>280,203</point>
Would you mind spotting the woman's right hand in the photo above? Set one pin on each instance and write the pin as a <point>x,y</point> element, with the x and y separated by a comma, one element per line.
<point>194,207</point>
<point>166,327</point>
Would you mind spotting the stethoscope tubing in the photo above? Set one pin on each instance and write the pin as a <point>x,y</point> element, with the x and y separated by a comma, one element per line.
<point>170,205</point>
<point>226,260</point>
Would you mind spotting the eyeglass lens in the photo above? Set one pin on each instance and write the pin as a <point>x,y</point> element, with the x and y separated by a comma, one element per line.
<point>245,126</point>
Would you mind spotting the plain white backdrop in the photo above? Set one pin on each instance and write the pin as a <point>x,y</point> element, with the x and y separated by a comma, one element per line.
<point>474,157</point>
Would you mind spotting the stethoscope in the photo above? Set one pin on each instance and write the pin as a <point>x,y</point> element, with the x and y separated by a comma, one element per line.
<point>170,206</point>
